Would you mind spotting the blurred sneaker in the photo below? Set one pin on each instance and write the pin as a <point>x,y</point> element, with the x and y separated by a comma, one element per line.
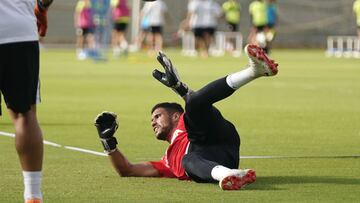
<point>237,179</point>
<point>116,51</point>
<point>33,201</point>
<point>81,55</point>
<point>261,63</point>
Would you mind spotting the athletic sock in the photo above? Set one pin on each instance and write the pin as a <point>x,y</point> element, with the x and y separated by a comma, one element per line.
<point>219,172</point>
<point>123,45</point>
<point>32,183</point>
<point>241,78</point>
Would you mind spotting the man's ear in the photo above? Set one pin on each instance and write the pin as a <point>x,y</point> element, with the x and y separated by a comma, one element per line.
<point>176,116</point>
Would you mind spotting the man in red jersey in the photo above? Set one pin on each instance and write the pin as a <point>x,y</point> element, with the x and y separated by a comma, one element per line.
<point>204,146</point>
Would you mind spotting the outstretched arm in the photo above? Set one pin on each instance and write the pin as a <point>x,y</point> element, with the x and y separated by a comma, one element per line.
<point>124,168</point>
<point>106,125</point>
<point>170,78</point>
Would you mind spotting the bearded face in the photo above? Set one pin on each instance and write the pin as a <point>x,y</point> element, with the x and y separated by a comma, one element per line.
<point>163,123</point>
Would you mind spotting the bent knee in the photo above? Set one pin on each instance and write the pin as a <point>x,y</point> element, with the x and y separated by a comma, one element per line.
<point>193,101</point>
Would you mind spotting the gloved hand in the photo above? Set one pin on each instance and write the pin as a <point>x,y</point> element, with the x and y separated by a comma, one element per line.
<point>170,78</point>
<point>106,125</point>
<point>41,15</point>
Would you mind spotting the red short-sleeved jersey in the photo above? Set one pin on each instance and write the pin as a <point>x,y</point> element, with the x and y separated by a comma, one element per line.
<point>170,164</point>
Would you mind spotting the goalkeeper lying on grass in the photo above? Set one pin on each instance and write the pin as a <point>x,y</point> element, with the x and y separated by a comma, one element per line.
<point>204,146</point>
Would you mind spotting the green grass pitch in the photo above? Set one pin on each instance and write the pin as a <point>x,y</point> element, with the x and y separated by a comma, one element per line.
<point>311,109</point>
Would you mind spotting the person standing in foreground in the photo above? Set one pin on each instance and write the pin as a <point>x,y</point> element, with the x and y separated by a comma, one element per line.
<point>20,28</point>
<point>204,146</point>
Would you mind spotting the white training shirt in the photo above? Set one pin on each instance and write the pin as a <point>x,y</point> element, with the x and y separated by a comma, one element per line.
<point>17,21</point>
<point>205,13</point>
<point>155,11</point>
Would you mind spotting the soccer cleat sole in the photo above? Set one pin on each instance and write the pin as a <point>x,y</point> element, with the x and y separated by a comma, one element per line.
<point>236,182</point>
<point>258,55</point>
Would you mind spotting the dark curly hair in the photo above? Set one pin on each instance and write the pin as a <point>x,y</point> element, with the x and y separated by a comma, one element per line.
<point>169,106</point>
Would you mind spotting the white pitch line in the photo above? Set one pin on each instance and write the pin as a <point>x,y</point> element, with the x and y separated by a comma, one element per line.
<point>85,150</point>
<point>51,143</point>
<point>241,157</point>
<point>259,157</point>
<point>7,134</point>
<point>58,145</point>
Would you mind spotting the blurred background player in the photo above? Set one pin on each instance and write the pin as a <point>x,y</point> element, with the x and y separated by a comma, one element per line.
<point>142,39</point>
<point>356,9</point>
<point>203,145</point>
<point>272,18</point>
<point>157,12</point>
<point>257,10</point>
<point>232,10</point>
<point>120,19</point>
<point>202,18</point>
<point>20,28</point>
<point>102,20</point>
<point>85,27</point>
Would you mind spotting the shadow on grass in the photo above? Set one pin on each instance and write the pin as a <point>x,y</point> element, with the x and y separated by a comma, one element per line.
<point>275,182</point>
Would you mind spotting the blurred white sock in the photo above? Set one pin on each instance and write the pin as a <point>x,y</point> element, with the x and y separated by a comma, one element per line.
<point>32,183</point>
<point>123,45</point>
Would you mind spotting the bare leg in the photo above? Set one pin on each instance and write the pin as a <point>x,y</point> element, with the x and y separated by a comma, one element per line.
<point>90,39</point>
<point>80,42</point>
<point>158,42</point>
<point>201,47</point>
<point>114,41</point>
<point>208,40</point>
<point>29,146</point>
<point>151,41</point>
<point>28,139</point>
<point>251,37</point>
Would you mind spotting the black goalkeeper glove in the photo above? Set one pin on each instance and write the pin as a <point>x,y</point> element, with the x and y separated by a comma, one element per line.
<point>170,78</point>
<point>44,4</point>
<point>106,125</point>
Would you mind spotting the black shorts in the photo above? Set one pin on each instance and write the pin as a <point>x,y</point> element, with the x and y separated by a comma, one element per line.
<point>156,29</point>
<point>120,27</point>
<point>260,28</point>
<point>233,27</point>
<point>19,75</point>
<point>85,31</point>
<point>213,137</point>
<point>200,32</point>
